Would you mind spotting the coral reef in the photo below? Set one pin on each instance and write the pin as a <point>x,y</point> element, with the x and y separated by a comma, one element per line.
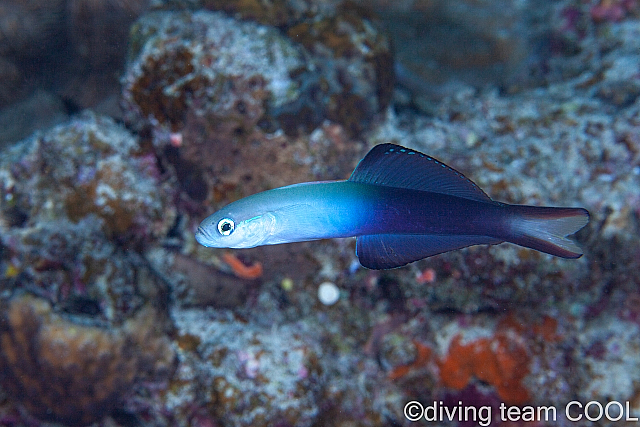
<point>63,370</point>
<point>279,368</point>
<point>462,354</point>
<point>74,202</point>
<point>357,56</point>
<point>230,98</point>
<point>206,103</point>
<point>185,64</point>
<point>277,13</point>
<point>563,146</point>
<point>607,346</point>
<point>90,166</point>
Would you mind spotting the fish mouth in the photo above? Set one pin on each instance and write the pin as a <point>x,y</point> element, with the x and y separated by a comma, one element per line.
<point>203,237</point>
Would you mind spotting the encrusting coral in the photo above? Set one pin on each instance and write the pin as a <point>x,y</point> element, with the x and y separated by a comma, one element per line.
<point>499,361</point>
<point>63,370</point>
<point>502,359</point>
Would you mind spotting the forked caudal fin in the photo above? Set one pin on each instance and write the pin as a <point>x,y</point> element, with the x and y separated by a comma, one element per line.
<point>546,229</point>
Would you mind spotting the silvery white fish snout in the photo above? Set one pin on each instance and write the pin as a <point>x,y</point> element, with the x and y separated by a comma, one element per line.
<point>203,237</point>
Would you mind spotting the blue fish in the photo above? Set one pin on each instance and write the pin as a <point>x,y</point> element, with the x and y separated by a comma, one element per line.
<point>401,205</point>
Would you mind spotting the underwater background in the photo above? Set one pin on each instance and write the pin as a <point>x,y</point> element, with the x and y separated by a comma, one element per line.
<point>123,124</point>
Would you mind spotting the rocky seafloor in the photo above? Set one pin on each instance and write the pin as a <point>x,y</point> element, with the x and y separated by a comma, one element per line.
<point>150,116</point>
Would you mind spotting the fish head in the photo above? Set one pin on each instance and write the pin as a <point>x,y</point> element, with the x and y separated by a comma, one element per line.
<point>226,229</point>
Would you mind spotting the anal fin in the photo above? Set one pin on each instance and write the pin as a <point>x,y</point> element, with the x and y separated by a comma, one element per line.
<point>383,251</point>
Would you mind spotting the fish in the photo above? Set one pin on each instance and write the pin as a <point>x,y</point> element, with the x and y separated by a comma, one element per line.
<point>401,205</point>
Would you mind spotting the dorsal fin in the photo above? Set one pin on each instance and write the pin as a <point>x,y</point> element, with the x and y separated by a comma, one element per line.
<point>395,166</point>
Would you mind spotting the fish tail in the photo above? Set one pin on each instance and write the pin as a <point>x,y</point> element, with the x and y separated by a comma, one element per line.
<point>546,229</point>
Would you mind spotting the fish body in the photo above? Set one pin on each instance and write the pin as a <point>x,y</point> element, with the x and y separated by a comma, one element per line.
<point>401,205</point>
<point>322,210</point>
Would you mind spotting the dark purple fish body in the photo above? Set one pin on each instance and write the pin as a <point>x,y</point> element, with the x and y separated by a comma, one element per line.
<point>401,211</point>
<point>417,207</point>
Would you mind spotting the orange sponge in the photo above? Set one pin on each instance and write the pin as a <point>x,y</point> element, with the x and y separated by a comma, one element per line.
<point>500,361</point>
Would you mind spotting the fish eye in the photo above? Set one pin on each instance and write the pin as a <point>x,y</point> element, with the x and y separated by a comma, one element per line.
<point>226,226</point>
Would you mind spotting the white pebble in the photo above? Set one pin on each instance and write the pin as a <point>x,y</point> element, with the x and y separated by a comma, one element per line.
<point>328,293</point>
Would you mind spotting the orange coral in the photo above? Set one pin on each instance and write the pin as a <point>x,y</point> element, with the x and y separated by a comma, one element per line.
<point>501,361</point>
<point>421,360</point>
<point>428,275</point>
<point>548,329</point>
